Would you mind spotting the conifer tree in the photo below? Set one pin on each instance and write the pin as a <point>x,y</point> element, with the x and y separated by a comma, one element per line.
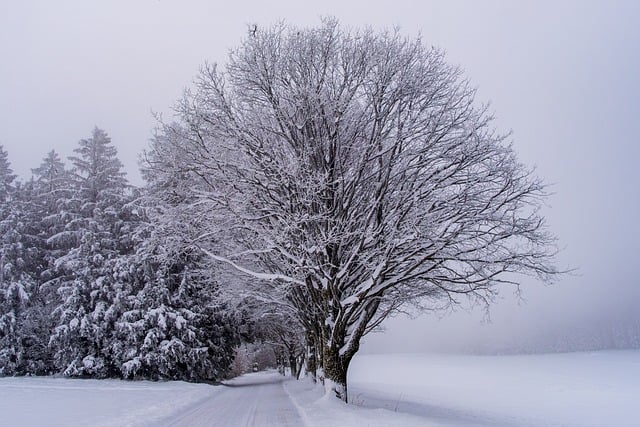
<point>176,326</point>
<point>44,202</point>
<point>86,283</point>
<point>15,283</point>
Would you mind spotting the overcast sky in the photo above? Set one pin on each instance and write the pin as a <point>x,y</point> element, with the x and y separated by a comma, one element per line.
<point>564,76</point>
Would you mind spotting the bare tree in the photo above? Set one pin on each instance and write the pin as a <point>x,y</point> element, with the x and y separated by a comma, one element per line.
<point>354,173</point>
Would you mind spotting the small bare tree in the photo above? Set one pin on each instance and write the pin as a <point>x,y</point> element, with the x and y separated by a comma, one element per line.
<point>354,173</point>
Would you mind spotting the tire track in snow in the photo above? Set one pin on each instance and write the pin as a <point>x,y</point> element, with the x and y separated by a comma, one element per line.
<point>252,400</point>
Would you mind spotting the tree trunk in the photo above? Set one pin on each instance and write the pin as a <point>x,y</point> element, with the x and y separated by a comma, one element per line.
<point>336,363</point>
<point>311,361</point>
<point>300,363</point>
<point>335,371</point>
<point>293,364</point>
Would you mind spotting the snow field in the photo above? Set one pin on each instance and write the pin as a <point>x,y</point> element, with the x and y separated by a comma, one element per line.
<point>61,402</point>
<point>569,389</point>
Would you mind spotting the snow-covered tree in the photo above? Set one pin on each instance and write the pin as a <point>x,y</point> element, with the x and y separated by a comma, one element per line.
<point>356,174</point>
<point>43,200</point>
<point>96,234</point>
<point>15,283</point>
<point>98,171</point>
<point>176,325</point>
<point>7,178</point>
<point>284,333</point>
<point>52,179</point>
<point>22,338</point>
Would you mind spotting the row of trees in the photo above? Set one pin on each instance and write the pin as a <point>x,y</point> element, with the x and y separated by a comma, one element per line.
<point>344,175</point>
<point>323,180</point>
<point>94,281</point>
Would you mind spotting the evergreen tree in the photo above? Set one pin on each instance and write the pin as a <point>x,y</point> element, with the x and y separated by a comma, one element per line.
<point>98,171</point>
<point>7,177</point>
<point>44,199</point>
<point>53,195</point>
<point>51,178</point>
<point>97,227</point>
<point>176,326</point>
<point>15,282</point>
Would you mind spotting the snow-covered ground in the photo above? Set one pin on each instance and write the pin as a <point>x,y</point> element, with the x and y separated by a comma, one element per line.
<point>256,399</point>
<point>572,389</point>
<point>53,402</point>
<point>568,389</point>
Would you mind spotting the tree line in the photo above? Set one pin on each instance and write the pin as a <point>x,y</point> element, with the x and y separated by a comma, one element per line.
<point>94,281</point>
<point>321,181</point>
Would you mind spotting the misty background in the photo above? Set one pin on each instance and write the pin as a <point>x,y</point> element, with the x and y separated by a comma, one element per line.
<point>564,76</point>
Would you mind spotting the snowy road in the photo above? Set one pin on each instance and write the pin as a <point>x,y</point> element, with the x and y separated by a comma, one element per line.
<point>252,400</point>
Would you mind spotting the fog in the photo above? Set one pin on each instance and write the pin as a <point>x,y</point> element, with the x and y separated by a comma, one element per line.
<point>562,75</point>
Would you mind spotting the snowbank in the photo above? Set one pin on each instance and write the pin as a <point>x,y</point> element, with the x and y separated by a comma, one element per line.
<point>318,409</point>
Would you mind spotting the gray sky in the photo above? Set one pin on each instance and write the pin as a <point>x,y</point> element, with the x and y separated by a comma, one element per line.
<point>565,76</point>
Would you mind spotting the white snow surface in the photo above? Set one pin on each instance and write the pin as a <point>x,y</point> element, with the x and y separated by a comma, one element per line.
<point>256,399</point>
<point>572,389</point>
<point>565,389</point>
<point>47,401</point>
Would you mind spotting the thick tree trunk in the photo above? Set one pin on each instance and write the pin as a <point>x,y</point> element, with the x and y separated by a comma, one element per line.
<point>336,362</point>
<point>335,371</point>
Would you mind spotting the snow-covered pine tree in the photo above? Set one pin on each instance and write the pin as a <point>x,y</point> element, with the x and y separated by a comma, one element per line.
<point>53,199</point>
<point>15,282</point>
<point>97,221</point>
<point>42,201</point>
<point>52,179</point>
<point>7,177</point>
<point>177,326</point>
<point>98,172</point>
<point>34,322</point>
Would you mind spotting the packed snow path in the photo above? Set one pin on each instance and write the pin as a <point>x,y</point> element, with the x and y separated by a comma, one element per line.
<point>252,400</point>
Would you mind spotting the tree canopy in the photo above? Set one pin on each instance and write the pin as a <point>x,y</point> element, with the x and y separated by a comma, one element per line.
<point>347,173</point>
